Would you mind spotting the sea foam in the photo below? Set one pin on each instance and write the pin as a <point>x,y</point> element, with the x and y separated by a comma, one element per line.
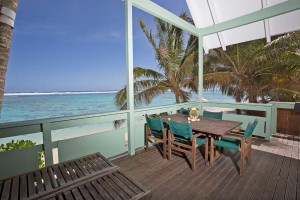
<point>56,93</point>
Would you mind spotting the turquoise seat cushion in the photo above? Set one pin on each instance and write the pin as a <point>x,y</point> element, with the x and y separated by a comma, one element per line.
<point>230,139</point>
<point>158,134</point>
<point>181,139</point>
<point>227,144</point>
<point>200,141</point>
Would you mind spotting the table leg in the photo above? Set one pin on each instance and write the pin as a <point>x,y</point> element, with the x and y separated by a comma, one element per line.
<point>211,159</point>
<point>217,153</point>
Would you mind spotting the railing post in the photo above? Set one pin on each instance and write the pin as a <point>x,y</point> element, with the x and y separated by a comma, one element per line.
<point>274,118</point>
<point>47,141</point>
<point>130,79</point>
<point>268,123</point>
<point>200,70</point>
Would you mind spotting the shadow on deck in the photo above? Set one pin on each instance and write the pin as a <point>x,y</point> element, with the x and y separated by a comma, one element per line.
<point>273,173</point>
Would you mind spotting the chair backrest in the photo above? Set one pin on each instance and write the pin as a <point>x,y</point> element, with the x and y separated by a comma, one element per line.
<point>214,115</point>
<point>250,128</point>
<point>185,111</point>
<point>181,130</point>
<point>155,124</point>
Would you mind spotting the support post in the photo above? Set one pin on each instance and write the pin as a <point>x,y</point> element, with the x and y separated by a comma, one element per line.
<point>274,118</point>
<point>268,123</point>
<point>47,141</point>
<point>130,87</point>
<point>200,69</point>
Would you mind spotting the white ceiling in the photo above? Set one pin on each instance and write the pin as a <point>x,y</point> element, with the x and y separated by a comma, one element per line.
<point>209,12</point>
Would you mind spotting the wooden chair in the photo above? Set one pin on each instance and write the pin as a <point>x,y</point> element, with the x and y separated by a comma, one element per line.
<point>214,115</point>
<point>241,143</point>
<point>155,130</point>
<point>184,111</point>
<point>181,138</point>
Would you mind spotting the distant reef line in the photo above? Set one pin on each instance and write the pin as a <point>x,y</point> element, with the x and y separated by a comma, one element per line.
<point>57,93</point>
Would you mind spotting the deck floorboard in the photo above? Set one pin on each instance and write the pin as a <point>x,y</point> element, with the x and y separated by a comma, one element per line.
<point>273,174</point>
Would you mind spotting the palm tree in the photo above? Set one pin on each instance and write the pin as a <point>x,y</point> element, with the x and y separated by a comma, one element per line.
<point>5,43</point>
<point>284,55</point>
<point>235,71</point>
<point>256,70</point>
<point>177,65</point>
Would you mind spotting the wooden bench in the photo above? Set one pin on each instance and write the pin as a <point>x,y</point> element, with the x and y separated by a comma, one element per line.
<point>88,177</point>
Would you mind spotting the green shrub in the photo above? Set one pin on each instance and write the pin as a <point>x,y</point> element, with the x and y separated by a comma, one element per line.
<point>21,144</point>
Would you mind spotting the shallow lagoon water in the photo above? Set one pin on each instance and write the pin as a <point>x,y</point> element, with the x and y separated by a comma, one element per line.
<point>30,106</point>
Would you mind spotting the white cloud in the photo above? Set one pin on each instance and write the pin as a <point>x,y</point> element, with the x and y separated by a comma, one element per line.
<point>40,29</point>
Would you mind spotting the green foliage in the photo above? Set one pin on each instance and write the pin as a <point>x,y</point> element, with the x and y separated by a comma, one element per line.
<point>177,64</point>
<point>256,71</point>
<point>14,145</point>
<point>41,158</point>
<point>21,144</point>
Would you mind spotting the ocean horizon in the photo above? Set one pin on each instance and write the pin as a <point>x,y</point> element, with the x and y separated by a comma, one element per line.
<point>58,93</point>
<point>23,106</point>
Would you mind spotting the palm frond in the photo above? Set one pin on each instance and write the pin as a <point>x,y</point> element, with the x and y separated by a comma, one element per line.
<point>121,97</point>
<point>147,33</point>
<point>217,79</point>
<point>288,42</point>
<point>146,96</point>
<point>140,72</point>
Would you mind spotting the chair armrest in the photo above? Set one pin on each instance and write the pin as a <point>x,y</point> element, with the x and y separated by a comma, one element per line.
<point>234,136</point>
<point>198,134</point>
<point>238,131</point>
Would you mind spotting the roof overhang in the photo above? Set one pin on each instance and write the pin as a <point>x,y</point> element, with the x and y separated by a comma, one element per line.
<point>223,22</point>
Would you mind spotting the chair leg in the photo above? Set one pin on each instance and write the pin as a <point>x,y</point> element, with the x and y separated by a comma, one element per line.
<point>242,162</point>
<point>249,156</point>
<point>217,153</point>
<point>146,137</point>
<point>193,159</point>
<point>164,149</point>
<point>211,151</point>
<point>249,149</point>
<point>206,152</point>
<point>169,150</point>
<point>147,143</point>
<point>222,150</point>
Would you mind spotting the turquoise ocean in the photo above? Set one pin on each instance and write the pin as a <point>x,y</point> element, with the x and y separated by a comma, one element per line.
<point>30,106</point>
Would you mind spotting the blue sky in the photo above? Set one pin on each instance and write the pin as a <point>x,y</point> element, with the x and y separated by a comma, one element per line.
<point>76,45</point>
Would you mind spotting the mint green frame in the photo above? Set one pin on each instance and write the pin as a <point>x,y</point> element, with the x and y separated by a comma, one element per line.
<point>112,143</point>
<point>157,11</point>
<point>134,127</point>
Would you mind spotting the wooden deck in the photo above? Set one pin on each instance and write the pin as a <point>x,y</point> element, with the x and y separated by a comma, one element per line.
<point>273,174</point>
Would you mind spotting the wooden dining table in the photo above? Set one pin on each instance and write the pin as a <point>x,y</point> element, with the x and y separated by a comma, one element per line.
<point>213,128</point>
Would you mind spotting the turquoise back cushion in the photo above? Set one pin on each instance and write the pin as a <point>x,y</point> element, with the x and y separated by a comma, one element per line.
<point>181,130</point>
<point>185,111</point>
<point>214,115</point>
<point>155,124</point>
<point>250,128</point>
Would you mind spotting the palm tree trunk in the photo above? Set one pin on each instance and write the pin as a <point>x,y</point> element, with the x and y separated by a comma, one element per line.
<point>5,43</point>
<point>238,99</point>
<point>177,98</point>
